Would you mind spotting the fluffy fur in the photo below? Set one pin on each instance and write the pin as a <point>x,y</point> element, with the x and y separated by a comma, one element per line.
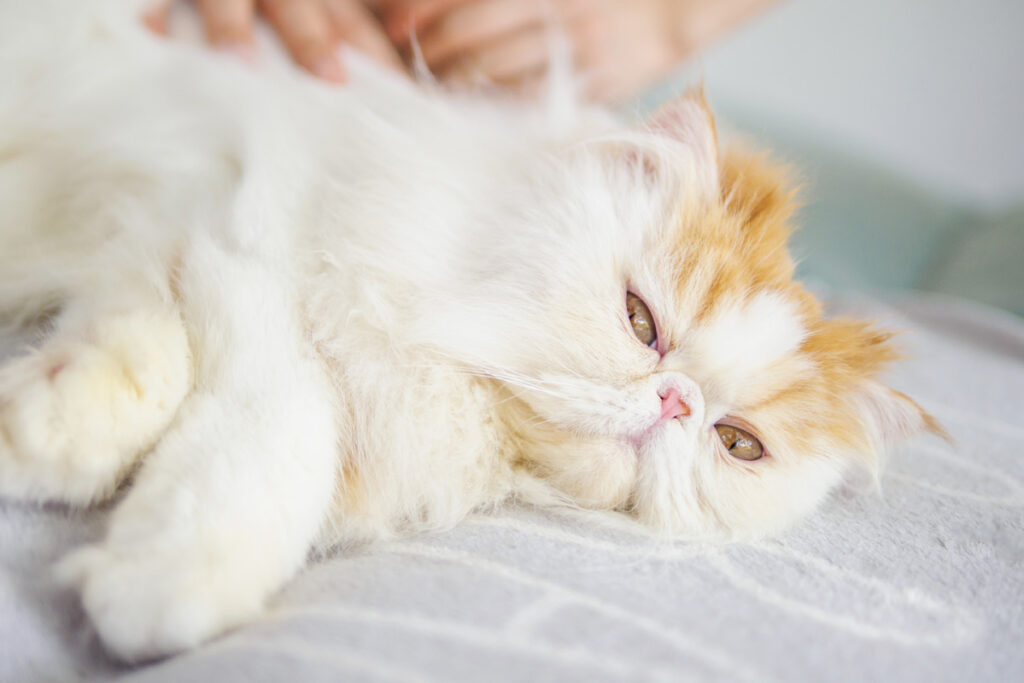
<point>310,314</point>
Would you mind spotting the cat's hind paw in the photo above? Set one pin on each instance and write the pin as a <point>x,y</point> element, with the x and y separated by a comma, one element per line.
<point>75,413</point>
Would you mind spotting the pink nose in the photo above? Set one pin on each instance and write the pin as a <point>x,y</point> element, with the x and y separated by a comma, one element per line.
<point>673,406</point>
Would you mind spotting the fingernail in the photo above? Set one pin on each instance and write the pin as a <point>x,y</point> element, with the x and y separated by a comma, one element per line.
<point>329,69</point>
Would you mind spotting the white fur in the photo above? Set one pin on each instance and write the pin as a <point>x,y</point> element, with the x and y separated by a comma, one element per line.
<point>333,314</point>
<point>722,345</point>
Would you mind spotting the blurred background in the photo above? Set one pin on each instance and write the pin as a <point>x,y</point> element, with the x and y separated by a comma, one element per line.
<point>905,121</point>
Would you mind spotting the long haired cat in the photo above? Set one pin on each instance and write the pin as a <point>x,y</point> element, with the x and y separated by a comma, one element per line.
<point>301,315</point>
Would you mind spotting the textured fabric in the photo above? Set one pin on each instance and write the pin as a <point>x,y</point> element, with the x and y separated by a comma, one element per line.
<point>923,582</point>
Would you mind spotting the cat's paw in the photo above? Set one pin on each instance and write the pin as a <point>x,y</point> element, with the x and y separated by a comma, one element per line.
<point>75,413</point>
<point>145,605</point>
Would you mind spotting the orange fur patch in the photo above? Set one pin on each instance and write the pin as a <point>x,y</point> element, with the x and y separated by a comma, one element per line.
<point>733,249</point>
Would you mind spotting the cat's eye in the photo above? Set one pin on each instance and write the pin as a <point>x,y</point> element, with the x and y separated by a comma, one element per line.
<point>641,319</point>
<point>739,442</point>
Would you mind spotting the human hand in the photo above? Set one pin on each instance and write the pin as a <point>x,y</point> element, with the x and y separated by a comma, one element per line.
<point>311,30</point>
<point>619,47</point>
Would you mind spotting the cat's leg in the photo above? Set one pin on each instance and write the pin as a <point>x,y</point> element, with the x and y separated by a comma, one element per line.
<point>226,507</point>
<point>76,412</point>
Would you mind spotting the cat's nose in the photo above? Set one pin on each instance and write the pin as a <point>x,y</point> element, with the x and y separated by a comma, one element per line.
<point>673,405</point>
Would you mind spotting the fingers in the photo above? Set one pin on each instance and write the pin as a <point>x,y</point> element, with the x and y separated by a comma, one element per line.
<point>306,28</point>
<point>310,30</point>
<point>155,18</point>
<point>355,25</point>
<point>227,22</point>
<point>411,17</point>
<point>488,41</point>
<point>514,59</point>
<point>474,24</point>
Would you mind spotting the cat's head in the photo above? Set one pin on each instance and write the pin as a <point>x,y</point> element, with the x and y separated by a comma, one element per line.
<point>640,306</point>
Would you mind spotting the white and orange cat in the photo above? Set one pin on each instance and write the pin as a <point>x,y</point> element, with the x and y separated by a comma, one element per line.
<point>300,314</point>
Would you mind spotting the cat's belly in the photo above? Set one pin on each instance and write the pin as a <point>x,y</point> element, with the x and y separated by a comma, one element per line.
<point>426,444</point>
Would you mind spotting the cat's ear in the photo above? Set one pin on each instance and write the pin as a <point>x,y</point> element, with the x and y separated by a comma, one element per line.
<point>852,354</point>
<point>892,416</point>
<point>688,120</point>
<point>889,417</point>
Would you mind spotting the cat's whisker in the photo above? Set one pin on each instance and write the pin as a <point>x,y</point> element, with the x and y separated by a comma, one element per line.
<point>506,376</point>
<point>540,420</point>
<point>526,383</point>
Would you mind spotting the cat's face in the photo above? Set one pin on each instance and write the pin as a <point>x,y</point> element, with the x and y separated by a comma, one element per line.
<point>643,312</point>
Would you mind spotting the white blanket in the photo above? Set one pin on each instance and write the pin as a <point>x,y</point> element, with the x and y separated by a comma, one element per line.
<point>925,582</point>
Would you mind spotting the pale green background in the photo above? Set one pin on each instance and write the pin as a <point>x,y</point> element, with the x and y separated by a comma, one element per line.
<point>905,121</point>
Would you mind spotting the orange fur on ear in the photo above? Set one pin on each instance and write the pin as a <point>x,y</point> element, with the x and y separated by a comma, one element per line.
<point>931,425</point>
<point>851,355</point>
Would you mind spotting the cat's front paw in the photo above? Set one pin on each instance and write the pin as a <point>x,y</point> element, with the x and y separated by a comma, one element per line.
<point>146,605</point>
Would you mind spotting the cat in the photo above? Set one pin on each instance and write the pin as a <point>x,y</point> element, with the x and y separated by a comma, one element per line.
<point>296,315</point>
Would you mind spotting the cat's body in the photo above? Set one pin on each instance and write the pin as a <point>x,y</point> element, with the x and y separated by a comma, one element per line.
<point>324,314</point>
